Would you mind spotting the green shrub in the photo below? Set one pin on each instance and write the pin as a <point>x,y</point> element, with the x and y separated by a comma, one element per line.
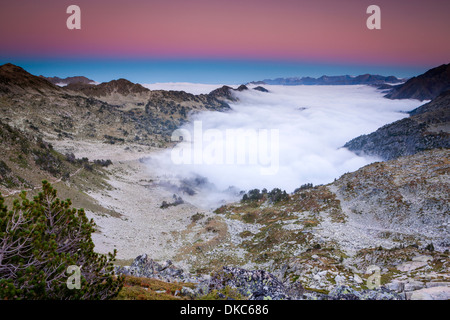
<point>39,240</point>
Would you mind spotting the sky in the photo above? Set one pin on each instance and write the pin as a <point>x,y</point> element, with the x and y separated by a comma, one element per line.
<point>232,41</point>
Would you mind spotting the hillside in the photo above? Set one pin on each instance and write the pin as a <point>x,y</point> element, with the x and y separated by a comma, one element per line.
<point>389,214</point>
<point>427,128</point>
<point>114,112</point>
<point>14,79</point>
<point>426,86</point>
<point>26,160</point>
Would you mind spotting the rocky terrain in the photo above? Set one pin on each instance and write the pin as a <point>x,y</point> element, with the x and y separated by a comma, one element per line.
<point>380,232</point>
<point>115,112</point>
<point>428,127</point>
<point>393,215</point>
<point>231,283</point>
<point>424,87</point>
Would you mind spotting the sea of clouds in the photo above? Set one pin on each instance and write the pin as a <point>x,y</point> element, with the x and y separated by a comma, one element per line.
<point>299,130</point>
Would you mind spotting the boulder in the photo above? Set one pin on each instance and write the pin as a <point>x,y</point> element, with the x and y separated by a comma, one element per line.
<point>422,258</point>
<point>433,284</point>
<point>347,293</point>
<point>395,285</point>
<point>254,284</point>
<point>143,266</point>
<point>413,285</point>
<point>434,293</point>
<point>411,265</point>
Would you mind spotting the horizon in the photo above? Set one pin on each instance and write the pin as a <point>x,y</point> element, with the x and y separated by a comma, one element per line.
<point>201,71</point>
<point>205,41</point>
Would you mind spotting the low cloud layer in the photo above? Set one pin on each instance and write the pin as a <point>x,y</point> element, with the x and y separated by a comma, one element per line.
<point>299,129</point>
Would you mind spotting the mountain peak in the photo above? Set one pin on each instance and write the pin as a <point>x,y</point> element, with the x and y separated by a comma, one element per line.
<point>14,79</point>
<point>9,67</point>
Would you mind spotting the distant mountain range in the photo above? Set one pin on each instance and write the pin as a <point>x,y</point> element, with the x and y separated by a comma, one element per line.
<point>332,80</point>
<point>69,80</point>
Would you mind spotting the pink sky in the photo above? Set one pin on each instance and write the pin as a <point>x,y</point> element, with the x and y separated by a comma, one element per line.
<point>413,32</point>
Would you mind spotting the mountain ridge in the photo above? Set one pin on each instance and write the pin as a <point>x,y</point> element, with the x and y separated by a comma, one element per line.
<point>426,86</point>
<point>68,80</point>
<point>332,80</point>
<point>14,79</point>
<point>118,110</point>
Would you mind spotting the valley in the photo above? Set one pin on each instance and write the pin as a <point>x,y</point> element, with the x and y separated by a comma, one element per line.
<point>93,142</point>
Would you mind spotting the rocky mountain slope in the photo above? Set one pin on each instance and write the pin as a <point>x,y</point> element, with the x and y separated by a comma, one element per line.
<point>427,128</point>
<point>26,159</point>
<point>115,112</point>
<point>424,87</point>
<point>325,242</point>
<point>15,80</point>
<point>368,79</point>
<point>35,112</point>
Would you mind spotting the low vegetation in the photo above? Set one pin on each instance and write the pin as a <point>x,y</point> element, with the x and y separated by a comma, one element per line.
<point>41,240</point>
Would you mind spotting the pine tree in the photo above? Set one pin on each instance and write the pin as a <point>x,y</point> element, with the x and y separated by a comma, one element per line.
<point>39,240</point>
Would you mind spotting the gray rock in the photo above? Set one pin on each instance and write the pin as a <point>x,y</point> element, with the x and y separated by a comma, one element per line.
<point>411,265</point>
<point>434,293</point>
<point>357,279</point>
<point>339,279</point>
<point>397,286</point>
<point>255,284</point>
<point>414,285</point>
<point>188,292</point>
<point>433,284</point>
<point>347,293</point>
<point>143,266</point>
<point>422,258</point>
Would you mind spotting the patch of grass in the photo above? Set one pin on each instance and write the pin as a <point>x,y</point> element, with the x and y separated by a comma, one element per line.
<point>223,294</point>
<point>310,223</point>
<point>250,217</point>
<point>322,291</point>
<point>196,217</point>
<point>136,288</point>
<point>245,234</point>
